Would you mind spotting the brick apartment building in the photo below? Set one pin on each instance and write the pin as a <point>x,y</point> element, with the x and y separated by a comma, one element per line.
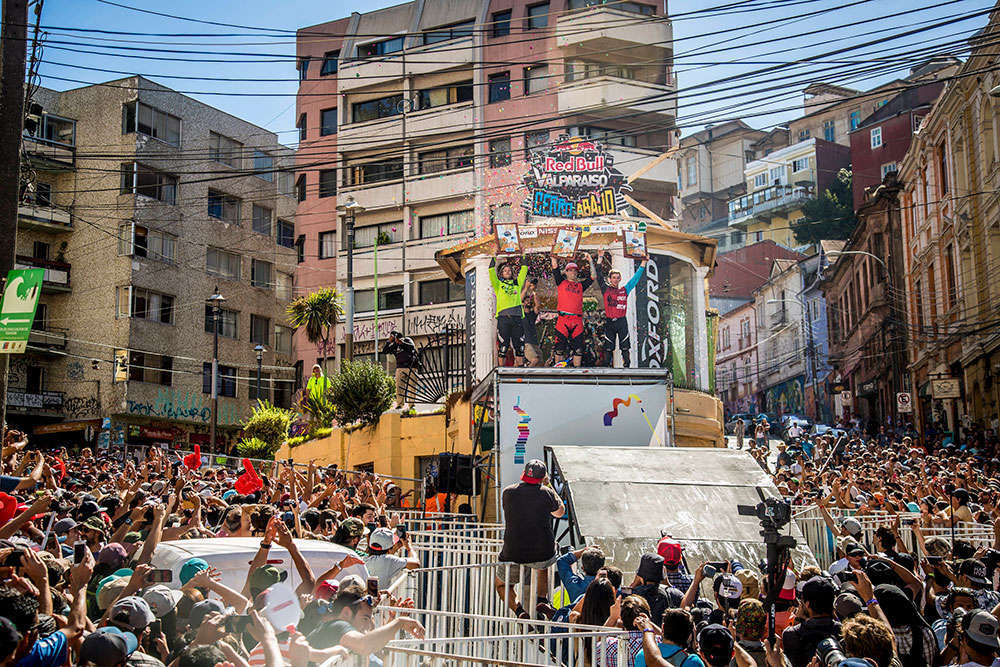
<point>409,111</point>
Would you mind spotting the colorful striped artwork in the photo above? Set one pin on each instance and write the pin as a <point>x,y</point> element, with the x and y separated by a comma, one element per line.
<point>522,432</point>
<point>609,416</point>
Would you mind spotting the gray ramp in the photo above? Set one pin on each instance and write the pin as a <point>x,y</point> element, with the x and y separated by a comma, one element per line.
<point>623,497</point>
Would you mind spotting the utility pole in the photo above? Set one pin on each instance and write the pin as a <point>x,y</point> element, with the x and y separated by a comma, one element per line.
<point>350,210</point>
<point>259,349</point>
<point>216,300</point>
<point>13,44</point>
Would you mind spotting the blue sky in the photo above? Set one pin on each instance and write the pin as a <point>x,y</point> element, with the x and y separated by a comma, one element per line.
<point>699,59</point>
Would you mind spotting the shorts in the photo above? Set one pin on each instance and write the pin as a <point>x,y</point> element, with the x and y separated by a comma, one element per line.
<point>616,328</point>
<point>511,572</point>
<point>569,334</point>
<point>510,333</point>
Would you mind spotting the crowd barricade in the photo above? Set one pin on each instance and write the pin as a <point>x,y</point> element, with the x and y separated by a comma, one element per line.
<point>820,539</point>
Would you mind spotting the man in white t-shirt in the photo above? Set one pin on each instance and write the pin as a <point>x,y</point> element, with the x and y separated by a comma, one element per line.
<point>381,560</point>
<point>795,432</point>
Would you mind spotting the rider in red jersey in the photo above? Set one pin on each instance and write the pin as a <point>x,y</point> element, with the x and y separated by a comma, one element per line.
<point>569,303</point>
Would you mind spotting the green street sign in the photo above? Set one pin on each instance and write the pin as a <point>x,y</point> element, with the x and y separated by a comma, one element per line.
<point>642,226</point>
<point>20,299</point>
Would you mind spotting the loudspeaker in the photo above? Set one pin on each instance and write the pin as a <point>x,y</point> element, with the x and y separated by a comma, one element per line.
<point>455,474</point>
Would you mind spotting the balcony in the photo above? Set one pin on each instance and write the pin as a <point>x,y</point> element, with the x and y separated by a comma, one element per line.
<point>389,130</point>
<point>765,204</point>
<point>49,338</point>
<point>603,29</point>
<point>602,96</point>
<point>662,176</point>
<point>41,402</point>
<point>439,185</point>
<point>43,218</point>
<point>362,73</point>
<point>56,278</point>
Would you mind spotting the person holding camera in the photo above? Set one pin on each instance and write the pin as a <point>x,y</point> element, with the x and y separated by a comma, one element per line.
<point>975,641</point>
<point>382,561</point>
<point>407,362</point>
<point>816,611</point>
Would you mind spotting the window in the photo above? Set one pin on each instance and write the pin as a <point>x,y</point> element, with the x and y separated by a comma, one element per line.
<point>145,304</point>
<point>327,245</point>
<point>144,119</point>
<point>736,238</point>
<point>300,249</point>
<point>536,79</point>
<point>446,33</point>
<point>303,67</point>
<point>777,174</point>
<point>286,184</point>
<point>228,322</point>
<point>634,7</point>
<point>390,298</point>
<point>43,194</point>
<point>282,339</point>
<point>829,130</point>
<point>284,286</point>
<point>147,367</point>
<point>260,330</point>
<point>263,165</point>
<point>329,63</point>
<point>385,233</point>
<point>139,241</point>
<point>876,137</point>
<point>328,122</point>
<point>691,166</point>
<point>225,380</point>
<point>447,223</point>
<point>260,274</point>
<point>881,103</point>
<point>942,169</point>
<point>538,16</point>
<point>442,95</point>
<point>300,188</point>
<point>760,180</point>
<point>439,291</point>
<point>456,157</point>
<point>385,47</point>
<point>40,250</point>
<point>383,107</point>
<point>800,164</point>
<point>500,152</point>
<point>854,119</point>
<point>499,87</point>
<point>227,151</point>
<point>286,233</point>
<point>602,134</point>
<point>804,134</point>
<point>327,183</point>
<point>889,168</point>
<point>223,207</point>
<point>223,263</point>
<point>949,270</point>
<point>501,23</point>
<point>141,180</point>
<point>374,172</point>
<point>535,141</point>
<point>301,125</point>
<point>263,392</point>
<point>262,217</point>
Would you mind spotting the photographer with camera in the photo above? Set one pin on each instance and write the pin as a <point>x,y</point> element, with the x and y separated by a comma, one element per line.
<point>816,611</point>
<point>382,561</point>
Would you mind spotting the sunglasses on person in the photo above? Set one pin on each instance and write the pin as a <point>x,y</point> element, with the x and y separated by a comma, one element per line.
<point>368,600</point>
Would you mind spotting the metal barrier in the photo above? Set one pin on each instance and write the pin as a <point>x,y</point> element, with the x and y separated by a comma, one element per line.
<point>821,541</point>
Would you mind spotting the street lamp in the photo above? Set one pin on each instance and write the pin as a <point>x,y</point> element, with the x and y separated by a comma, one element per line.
<point>260,362</point>
<point>351,209</point>
<point>859,252</point>
<point>216,301</point>
<point>995,91</point>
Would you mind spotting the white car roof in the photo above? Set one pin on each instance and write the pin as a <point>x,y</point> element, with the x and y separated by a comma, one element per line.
<point>232,556</point>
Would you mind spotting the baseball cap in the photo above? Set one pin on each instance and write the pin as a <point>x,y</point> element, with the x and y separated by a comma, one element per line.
<point>63,526</point>
<point>107,647</point>
<point>381,539</point>
<point>132,613</point>
<point>265,577</point>
<point>980,626</point>
<point>650,567</point>
<point>191,567</point>
<point>327,590</point>
<point>87,509</point>
<point>846,605</point>
<point>974,570</point>
<point>202,609</point>
<point>110,590</point>
<point>161,599</point>
<point>572,265</point>
<point>534,472</point>
<point>854,549</point>
<point>729,589</point>
<point>353,526</point>
<point>937,546</point>
<point>670,550</point>
<point>852,526</point>
<point>113,554</point>
<point>94,523</point>
<point>751,583</point>
<point>716,643</point>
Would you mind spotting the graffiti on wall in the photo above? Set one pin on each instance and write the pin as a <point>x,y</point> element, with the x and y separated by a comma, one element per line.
<point>185,406</point>
<point>17,371</point>
<point>74,370</point>
<point>419,324</point>
<point>81,406</point>
<point>786,397</point>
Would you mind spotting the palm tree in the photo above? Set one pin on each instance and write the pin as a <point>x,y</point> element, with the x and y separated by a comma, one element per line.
<point>317,313</point>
